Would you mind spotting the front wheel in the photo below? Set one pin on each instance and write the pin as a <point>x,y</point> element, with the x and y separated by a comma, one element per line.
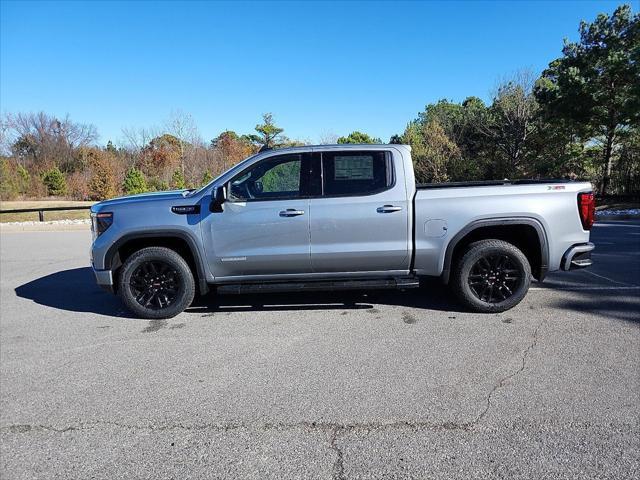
<point>491,276</point>
<point>156,282</point>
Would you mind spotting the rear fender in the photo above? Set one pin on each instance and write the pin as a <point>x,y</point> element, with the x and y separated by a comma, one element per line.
<point>496,222</point>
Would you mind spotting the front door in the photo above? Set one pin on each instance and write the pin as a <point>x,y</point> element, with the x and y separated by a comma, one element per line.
<point>263,229</point>
<point>360,223</point>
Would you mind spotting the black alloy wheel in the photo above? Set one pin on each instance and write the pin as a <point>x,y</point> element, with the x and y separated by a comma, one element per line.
<point>491,276</point>
<point>155,284</point>
<point>494,278</point>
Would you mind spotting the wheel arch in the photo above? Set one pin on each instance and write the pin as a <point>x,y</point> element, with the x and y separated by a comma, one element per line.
<point>177,240</point>
<point>526,233</point>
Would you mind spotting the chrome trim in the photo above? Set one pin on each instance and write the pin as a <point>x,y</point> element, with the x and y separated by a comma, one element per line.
<point>567,258</point>
<point>104,278</point>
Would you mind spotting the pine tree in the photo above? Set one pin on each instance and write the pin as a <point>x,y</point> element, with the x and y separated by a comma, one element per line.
<point>177,180</point>
<point>23,179</point>
<point>55,182</point>
<point>134,182</point>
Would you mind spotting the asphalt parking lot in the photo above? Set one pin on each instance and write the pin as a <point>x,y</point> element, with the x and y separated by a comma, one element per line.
<point>398,385</point>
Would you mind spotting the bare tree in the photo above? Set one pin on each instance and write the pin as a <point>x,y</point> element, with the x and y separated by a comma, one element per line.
<point>511,118</point>
<point>5,146</point>
<point>328,138</point>
<point>45,138</point>
<point>182,126</point>
<point>135,139</point>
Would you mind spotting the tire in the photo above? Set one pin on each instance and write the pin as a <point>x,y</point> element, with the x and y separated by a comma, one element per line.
<point>491,276</point>
<point>156,282</point>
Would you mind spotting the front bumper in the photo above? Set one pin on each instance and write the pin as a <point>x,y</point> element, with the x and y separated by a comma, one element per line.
<point>578,256</point>
<point>104,278</point>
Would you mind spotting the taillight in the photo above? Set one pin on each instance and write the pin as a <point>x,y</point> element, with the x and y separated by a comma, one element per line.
<point>587,209</point>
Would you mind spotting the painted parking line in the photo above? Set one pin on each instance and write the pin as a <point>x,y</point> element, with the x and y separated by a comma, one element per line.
<point>608,279</point>
<point>584,288</point>
<point>598,224</point>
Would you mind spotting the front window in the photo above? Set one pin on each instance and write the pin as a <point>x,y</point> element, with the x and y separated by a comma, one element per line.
<point>276,178</point>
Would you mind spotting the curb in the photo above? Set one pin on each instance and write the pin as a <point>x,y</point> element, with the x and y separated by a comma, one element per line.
<point>608,218</point>
<point>45,227</point>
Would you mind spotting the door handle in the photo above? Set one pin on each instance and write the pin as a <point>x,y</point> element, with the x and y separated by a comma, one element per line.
<point>291,212</point>
<point>388,209</point>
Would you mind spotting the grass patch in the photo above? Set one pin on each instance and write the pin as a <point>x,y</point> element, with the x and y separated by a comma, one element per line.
<point>33,216</point>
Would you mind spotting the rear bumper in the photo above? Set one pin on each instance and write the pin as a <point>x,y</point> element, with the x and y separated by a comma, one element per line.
<point>104,278</point>
<point>578,256</point>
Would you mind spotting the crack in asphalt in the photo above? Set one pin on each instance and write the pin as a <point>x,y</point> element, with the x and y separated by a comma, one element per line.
<point>334,429</point>
<point>338,466</point>
<point>501,383</point>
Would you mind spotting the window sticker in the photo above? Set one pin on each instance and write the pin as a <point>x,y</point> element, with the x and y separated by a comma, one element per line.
<point>353,167</point>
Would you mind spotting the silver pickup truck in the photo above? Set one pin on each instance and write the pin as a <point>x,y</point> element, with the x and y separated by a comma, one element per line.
<point>338,217</point>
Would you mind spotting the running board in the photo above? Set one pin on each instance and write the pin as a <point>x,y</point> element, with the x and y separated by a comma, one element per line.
<point>316,286</point>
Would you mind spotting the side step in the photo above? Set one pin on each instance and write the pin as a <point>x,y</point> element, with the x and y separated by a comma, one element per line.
<point>316,286</point>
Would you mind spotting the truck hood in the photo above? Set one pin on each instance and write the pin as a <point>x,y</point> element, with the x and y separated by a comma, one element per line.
<point>141,197</point>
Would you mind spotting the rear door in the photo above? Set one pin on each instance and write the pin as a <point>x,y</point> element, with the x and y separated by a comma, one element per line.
<point>360,221</point>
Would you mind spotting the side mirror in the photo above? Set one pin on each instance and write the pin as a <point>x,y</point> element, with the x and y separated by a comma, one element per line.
<point>218,199</point>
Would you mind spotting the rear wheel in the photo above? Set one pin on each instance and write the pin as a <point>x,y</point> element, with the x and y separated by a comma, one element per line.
<point>491,276</point>
<point>156,282</point>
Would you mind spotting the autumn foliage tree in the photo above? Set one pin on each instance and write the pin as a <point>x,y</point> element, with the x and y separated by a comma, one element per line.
<point>161,157</point>
<point>231,148</point>
<point>433,152</point>
<point>103,183</point>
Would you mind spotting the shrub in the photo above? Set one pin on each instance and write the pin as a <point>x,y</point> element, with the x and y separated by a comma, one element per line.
<point>23,179</point>
<point>155,184</point>
<point>78,186</point>
<point>55,182</point>
<point>206,177</point>
<point>177,180</point>
<point>134,182</point>
<point>36,188</point>
<point>8,186</point>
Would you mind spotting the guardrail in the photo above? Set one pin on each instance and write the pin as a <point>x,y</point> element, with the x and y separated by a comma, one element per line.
<point>43,209</point>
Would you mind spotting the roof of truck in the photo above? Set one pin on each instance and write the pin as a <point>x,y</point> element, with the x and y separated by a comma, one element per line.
<point>349,146</point>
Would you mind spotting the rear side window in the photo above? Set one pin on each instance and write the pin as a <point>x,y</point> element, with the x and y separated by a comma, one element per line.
<point>356,173</point>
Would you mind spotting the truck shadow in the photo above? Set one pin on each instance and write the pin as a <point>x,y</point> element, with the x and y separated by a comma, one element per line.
<point>72,290</point>
<point>617,305</point>
<point>75,290</point>
<point>430,296</point>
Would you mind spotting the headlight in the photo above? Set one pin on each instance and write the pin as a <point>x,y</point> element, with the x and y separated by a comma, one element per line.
<point>100,222</point>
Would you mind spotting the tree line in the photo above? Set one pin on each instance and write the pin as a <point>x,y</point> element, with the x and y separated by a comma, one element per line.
<point>578,119</point>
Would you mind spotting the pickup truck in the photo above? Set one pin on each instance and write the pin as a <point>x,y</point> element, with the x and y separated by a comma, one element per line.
<point>338,217</point>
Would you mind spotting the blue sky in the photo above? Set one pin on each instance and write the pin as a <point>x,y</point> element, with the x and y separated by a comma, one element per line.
<point>318,67</point>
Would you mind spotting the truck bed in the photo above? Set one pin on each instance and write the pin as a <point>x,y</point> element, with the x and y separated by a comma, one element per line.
<point>442,211</point>
<point>489,183</point>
